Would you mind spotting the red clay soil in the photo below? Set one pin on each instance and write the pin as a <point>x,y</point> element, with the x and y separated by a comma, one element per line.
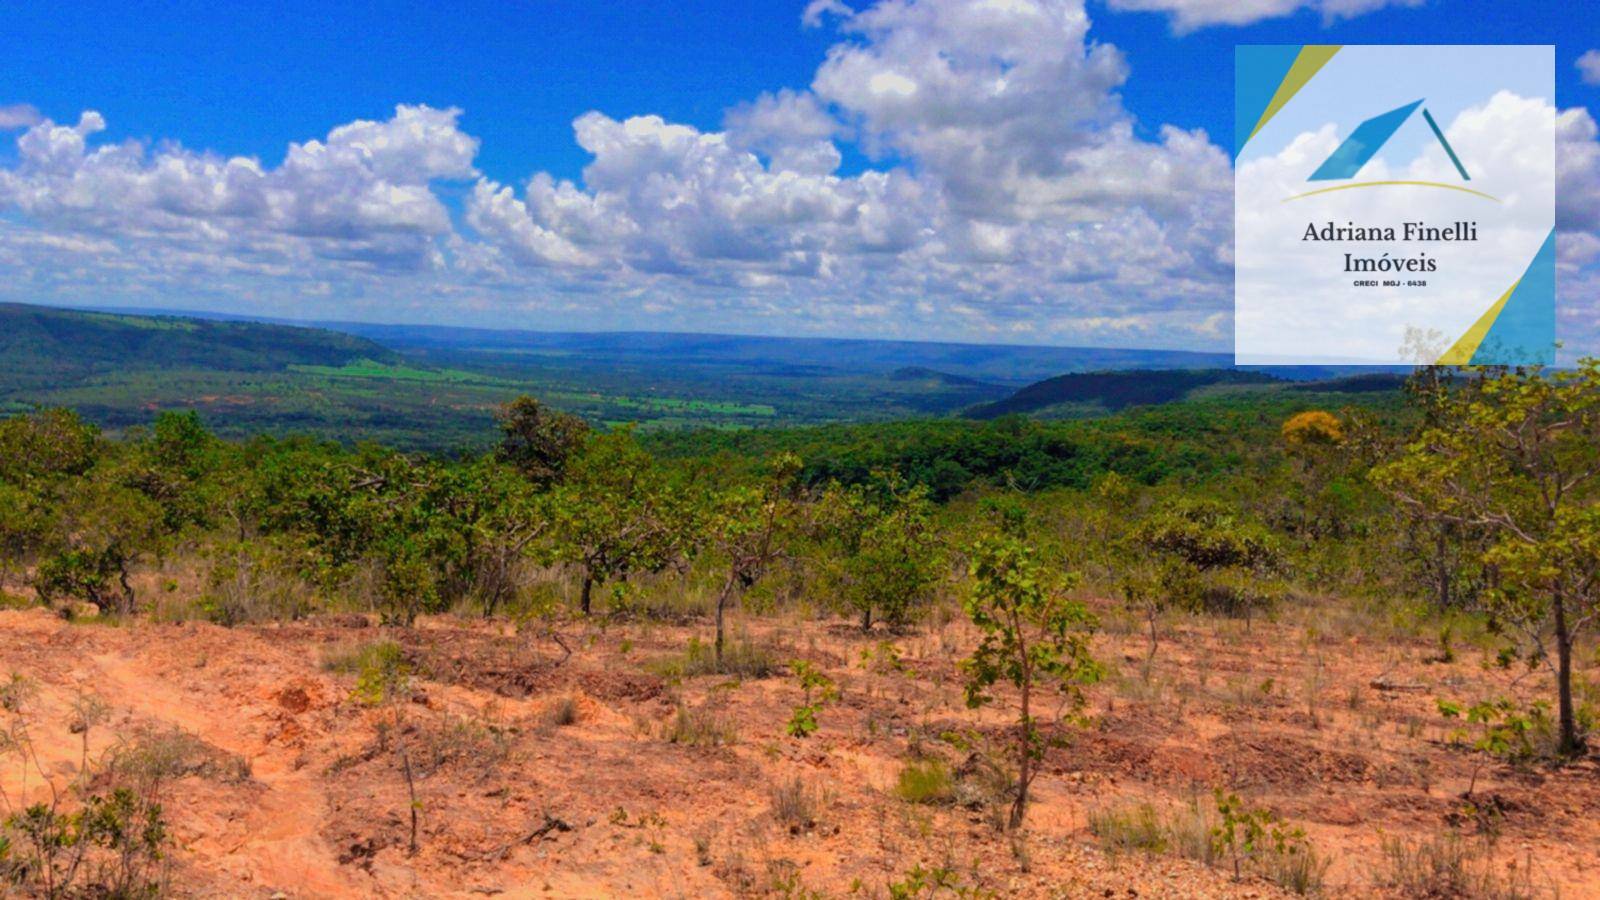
<point>540,774</point>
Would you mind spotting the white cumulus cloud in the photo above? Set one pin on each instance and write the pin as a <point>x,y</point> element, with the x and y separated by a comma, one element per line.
<point>996,189</point>
<point>18,115</point>
<point>1589,67</point>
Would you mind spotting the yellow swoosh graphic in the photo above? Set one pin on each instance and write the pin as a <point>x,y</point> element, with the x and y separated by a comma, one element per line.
<point>1460,354</point>
<point>1367,184</point>
<point>1311,59</point>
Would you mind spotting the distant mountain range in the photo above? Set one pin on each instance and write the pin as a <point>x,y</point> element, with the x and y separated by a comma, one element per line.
<point>436,387</point>
<point>1012,364</point>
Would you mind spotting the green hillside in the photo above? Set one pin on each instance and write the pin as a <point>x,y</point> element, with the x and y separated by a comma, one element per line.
<point>1091,393</point>
<point>437,389</point>
<point>42,345</point>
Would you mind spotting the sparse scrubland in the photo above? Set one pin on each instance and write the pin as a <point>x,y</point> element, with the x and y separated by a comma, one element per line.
<point>1235,646</point>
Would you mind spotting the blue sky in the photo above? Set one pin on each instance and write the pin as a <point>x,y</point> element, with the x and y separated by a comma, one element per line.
<point>858,186</point>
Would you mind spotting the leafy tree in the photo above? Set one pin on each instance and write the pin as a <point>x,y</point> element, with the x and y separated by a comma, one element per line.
<point>172,465</point>
<point>97,532</point>
<point>379,512</point>
<point>748,526</point>
<point>538,441</point>
<point>616,514</point>
<point>1207,535</point>
<point>883,551</point>
<point>46,445</point>
<point>1311,429</point>
<point>499,516</point>
<point>1516,454</point>
<point>23,519</point>
<point>1199,543</point>
<point>1033,637</point>
<point>1444,556</point>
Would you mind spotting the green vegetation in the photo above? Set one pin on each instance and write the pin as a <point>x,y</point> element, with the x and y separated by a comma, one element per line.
<point>1516,458</point>
<point>819,689</point>
<point>926,781</point>
<point>1075,395</point>
<point>1032,636</point>
<point>436,390</point>
<point>1234,504</point>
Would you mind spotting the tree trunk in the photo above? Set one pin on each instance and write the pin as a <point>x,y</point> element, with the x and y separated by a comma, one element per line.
<point>125,602</point>
<point>411,791</point>
<point>588,590</point>
<point>722,604</point>
<point>866,619</point>
<point>1442,551</point>
<point>1024,775</point>
<point>1150,613</point>
<point>1570,744</point>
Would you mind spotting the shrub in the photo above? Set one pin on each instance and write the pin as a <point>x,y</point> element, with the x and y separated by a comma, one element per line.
<point>1250,840</point>
<point>251,582</point>
<point>353,659</point>
<point>820,690</point>
<point>112,846</point>
<point>1256,839</point>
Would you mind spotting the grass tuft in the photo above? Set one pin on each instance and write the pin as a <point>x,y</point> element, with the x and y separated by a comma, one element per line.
<point>926,781</point>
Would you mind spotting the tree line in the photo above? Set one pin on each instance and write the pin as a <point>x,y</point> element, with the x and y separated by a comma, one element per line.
<point>1479,497</point>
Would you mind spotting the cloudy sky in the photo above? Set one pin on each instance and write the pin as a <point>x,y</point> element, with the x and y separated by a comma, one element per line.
<point>1019,171</point>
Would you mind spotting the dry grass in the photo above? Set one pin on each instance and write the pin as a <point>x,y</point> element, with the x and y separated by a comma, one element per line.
<point>796,805</point>
<point>560,712</point>
<point>701,726</point>
<point>1450,865</point>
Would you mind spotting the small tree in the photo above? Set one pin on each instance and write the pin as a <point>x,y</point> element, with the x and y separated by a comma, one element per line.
<point>1033,637</point>
<point>45,445</point>
<point>39,454</point>
<point>97,532</point>
<point>487,518</point>
<point>23,520</point>
<point>1198,544</point>
<point>616,514</point>
<point>538,441</point>
<point>384,681</point>
<point>1444,556</point>
<point>1302,432</point>
<point>172,464</point>
<point>1516,454</point>
<point>748,527</point>
<point>882,551</point>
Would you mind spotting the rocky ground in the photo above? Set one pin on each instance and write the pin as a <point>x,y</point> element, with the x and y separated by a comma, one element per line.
<point>604,773</point>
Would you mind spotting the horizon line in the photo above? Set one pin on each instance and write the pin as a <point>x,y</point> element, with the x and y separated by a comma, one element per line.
<point>328,325</point>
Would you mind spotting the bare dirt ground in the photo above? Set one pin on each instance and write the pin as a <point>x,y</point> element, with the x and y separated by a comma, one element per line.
<point>297,794</point>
